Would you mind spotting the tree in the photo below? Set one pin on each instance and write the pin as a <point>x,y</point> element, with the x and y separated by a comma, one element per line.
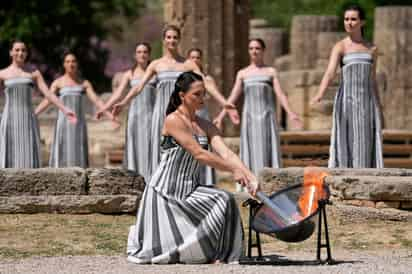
<point>50,27</point>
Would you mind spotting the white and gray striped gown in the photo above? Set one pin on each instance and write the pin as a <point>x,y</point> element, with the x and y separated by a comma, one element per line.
<point>70,144</point>
<point>138,136</point>
<point>259,140</point>
<point>179,221</point>
<point>356,139</point>
<point>165,86</point>
<point>207,174</point>
<point>19,129</point>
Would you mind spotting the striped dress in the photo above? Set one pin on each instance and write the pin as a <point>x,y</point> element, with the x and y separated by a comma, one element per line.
<point>19,129</point>
<point>207,174</point>
<point>259,140</point>
<point>138,135</point>
<point>356,139</point>
<point>178,220</point>
<point>165,86</point>
<point>70,144</point>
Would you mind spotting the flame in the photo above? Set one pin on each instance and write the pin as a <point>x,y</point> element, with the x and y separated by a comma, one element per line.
<point>313,190</point>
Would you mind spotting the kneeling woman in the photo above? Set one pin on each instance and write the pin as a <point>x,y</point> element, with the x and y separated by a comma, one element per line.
<point>179,221</point>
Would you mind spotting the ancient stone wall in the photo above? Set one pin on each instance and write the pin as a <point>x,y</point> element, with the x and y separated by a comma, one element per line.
<point>393,37</point>
<point>69,190</point>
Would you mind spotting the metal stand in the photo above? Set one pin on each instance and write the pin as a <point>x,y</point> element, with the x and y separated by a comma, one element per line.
<point>253,205</point>
<point>322,226</point>
<point>320,245</point>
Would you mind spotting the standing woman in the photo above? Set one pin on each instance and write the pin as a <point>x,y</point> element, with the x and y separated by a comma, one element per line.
<point>356,139</point>
<point>166,69</point>
<point>178,220</point>
<point>70,144</point>
<point>259,138</point>
<point>19,131</point>
<point>139,120</point>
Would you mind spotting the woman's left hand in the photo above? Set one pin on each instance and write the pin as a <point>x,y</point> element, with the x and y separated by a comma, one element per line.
<point>71,116</point>
<point>233,113</point>
<point>296,121</point>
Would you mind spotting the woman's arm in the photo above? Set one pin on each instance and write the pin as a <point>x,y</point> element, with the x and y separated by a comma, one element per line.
<point>284,100</point>
<point>71,116</point>
<point>234,96</point>
<point>134,91</point>
<point>91,94</point>
<point>117,94</point>
<point>229,108</point>
<point>175,127</point>
<point>44,104</point>
<point>330,73</point>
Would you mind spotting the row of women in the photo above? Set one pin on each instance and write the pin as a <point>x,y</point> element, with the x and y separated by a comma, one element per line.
<point>169,134</point>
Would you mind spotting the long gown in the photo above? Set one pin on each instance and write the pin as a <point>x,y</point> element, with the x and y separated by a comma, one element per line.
<point>356,140</point>
<point>179,221</point>
<point>70,145</point>
<point>19,130</point>
<point>259,139</point>
<point>207,174</point>
<point>138,134</point>
<point>165,86</point>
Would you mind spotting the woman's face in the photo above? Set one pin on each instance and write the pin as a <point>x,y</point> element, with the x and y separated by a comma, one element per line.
<point>142,54</point>
<point>255,50</point>
<point>18,52</point>
<point>70,64</point>
<point>196,57</point>
<point>194,97</point>
<point>352,21</point>
<point>171,39</point>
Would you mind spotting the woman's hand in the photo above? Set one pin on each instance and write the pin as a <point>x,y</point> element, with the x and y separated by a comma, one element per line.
<point>316,100</point>
<point>296,121</point>
<point>240,177</point>
<point>232,112</point>
<point>117,109</point>
<point>70,115</point>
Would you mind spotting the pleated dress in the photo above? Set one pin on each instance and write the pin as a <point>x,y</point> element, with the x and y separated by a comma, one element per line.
<point>70,144</point>
<point>165,86</point>
<point>179,221</point>
<point>356,139</point>
<point>138,149</point>
<point>19,129</point>
<point>259,137</point>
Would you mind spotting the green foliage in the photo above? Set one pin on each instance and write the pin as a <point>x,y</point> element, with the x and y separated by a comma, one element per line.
<point>279,13</point>
<point>51,27</point>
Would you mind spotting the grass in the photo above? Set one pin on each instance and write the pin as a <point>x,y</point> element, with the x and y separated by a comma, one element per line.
<point>24,236</point>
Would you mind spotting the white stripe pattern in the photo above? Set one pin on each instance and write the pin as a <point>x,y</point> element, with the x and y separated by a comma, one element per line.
<point>19,130</point>
<point>138,148</point>
<point>178,220</point>
<point>70,144</point>
<point>356,139</point>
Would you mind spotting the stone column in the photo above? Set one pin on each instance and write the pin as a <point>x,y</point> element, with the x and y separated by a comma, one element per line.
<point>304,38</point>
<point>393,37</point>
<point>221,29</point>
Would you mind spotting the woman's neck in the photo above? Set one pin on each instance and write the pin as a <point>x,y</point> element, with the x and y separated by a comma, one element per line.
<point>171,54</point>
<point>17,65</point>
<point>257,63</point>
<point>187,112</point>
<point>71,76</point>
<point>356,37</point>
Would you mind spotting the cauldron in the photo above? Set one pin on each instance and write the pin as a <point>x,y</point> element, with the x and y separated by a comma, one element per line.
<point>289,214</point>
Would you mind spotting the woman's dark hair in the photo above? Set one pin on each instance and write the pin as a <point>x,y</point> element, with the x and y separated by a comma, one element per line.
<point>182,84</point>
<point>361,13</point>
<point>149,48</point>
<point>260,41</point>
<point>170,27</point>
<point>16,40</point>
<point>194,49</point>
